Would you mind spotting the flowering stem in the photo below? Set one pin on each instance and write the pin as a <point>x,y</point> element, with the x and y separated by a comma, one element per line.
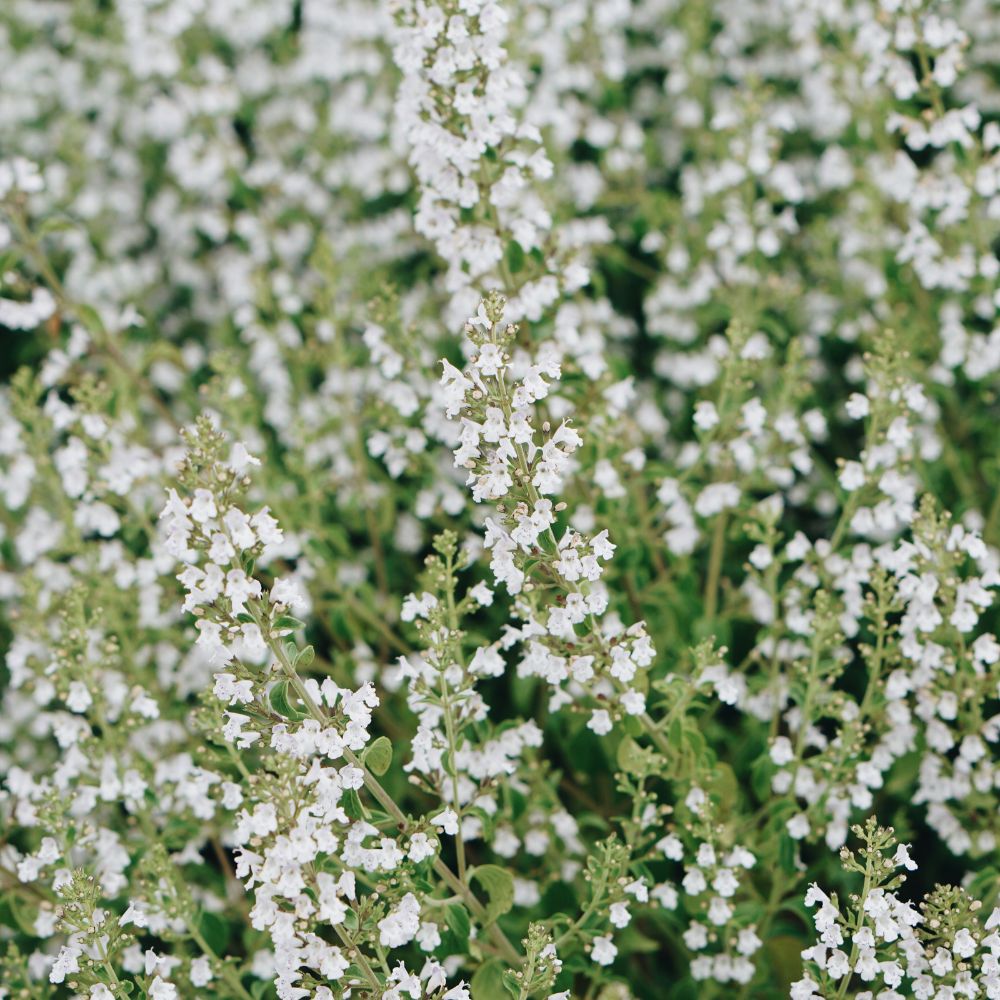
<point>449,721</point>
<point>387,802</point>
<point>859,920</point>
<point>504,399</point>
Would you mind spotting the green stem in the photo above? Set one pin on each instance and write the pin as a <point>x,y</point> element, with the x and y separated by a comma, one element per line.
<point>230,975</point>
<point>859,920</point>
<point>715,568</point>
<point>355,954</point>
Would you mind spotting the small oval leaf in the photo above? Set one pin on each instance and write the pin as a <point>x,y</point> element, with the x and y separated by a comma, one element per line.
<point>378,756</point>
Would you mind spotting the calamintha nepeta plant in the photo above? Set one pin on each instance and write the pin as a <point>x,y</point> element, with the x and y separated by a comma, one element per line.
<point>500,500</point>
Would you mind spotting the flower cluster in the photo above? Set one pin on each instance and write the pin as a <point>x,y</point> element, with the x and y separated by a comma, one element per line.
<point>893,948</point>
<point>510,461</point>
<point>492,495</point>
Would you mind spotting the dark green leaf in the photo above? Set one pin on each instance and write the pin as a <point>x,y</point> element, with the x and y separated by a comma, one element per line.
<point>214,930</point>
<point>515,257</point>
<point>786,853</point>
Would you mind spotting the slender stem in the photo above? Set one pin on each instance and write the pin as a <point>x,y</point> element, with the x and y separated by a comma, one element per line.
<point>800,738</point>
<point>355,953</point>
<point>449,721</point>
<point>230,975</point>
<point>595,901</point>
<point>449,726</point>
<point>715,568</point>
<point>858,921</point>
<point>108,967</point>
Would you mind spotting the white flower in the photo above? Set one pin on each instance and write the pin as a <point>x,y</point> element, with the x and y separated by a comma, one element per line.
<point>600,722</point>
<point>902,857</point>
<point>781,751</point>
<point>798,826</point>
<point>603,951</point>
<point>447,821</point>
<point>852,476</point>
<point>857,406</point>
<point>964,945</point>
<point>161,990</point>
<point>671,847</point>
<point>135,914</point>
<point>240,459</point>
<point>400,925</point>
<point>201,971</point>
<point>705,416</point>
<point>421,847</point>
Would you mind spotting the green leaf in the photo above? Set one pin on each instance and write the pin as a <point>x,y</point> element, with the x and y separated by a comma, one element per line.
<point>7,914</point>
<point>56,224</point>
<point>760,777</point>
<point>214,930</point>
<point>784,959</point>
<point>457,918</point>
<point>694,740</point>
<point>632,940</point>
<point>280,703</point>
<point>631,757</point>
<point>9,259</point>
<point>15,913</point>
<point>724,783</point>
<point>354,972</point>
<point>305,657</point>
<point>498,884</point>
<point>632,724</point>
<point>675,735</point>
<point>484,817</point>
<point>515,257</point>
<point>487,983</point>
<point>786,853</point>
<point>511,985</point>
<point>352,804</point>
<point>90,318</point>
<point>984,884</point>
<point>378,756</point>
<point>287,621</point>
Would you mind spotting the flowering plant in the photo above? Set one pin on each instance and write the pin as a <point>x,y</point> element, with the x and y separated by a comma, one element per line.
<point>499,500</point>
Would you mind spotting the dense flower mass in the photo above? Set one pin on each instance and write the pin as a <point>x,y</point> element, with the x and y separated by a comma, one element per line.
<point>499,500</point>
